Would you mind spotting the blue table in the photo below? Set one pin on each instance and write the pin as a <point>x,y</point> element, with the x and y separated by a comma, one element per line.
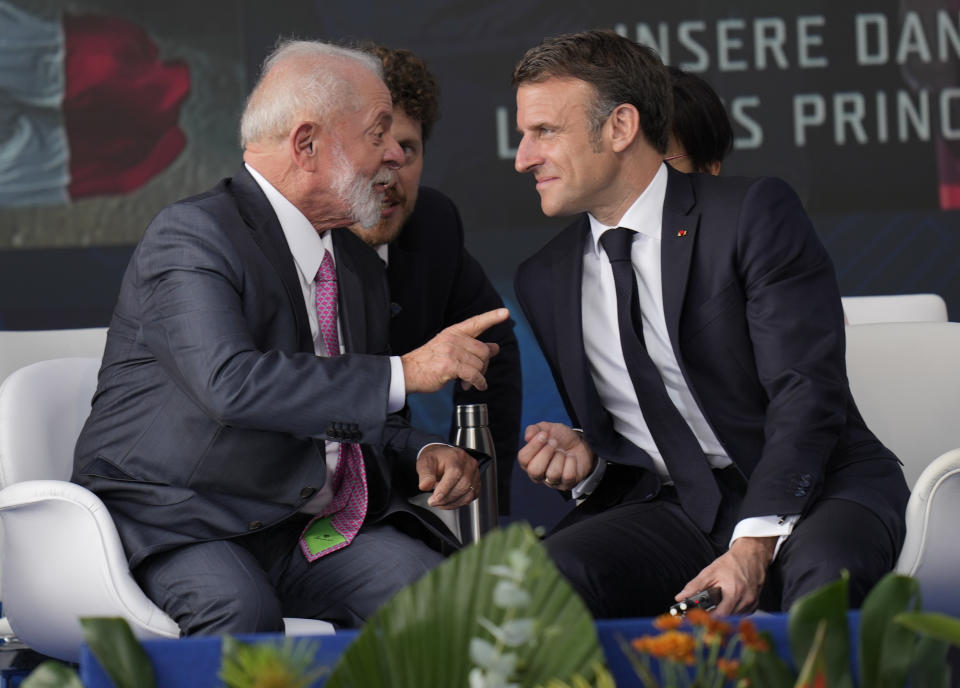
<point>194,662</point>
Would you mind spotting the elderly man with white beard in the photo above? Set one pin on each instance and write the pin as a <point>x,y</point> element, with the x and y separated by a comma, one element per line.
<point>244,433</point>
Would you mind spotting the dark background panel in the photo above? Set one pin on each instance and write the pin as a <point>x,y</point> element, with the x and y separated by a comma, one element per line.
<point>872,184</point>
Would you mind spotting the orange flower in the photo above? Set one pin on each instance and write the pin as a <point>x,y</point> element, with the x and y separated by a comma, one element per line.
<point>750,637</point>
<point>698,617</point>
<point>819,681</point>
<point>641,644</point>
<point>728,667</point>
<point>668,622</point>
<point>715,630</point>
<point>672,645</point>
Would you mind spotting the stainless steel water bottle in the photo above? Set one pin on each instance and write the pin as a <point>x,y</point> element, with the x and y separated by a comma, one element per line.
<point>473,432</point>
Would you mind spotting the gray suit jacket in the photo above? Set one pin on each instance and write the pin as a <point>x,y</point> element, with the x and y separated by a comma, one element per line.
<point>211,407</point>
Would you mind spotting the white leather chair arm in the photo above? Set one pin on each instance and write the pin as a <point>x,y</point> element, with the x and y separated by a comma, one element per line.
<point>930,551</point>
<point>68,552</point>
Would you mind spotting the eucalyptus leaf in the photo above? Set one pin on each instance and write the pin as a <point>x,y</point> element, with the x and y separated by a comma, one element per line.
<point>505,572</point>
<point>519,561</point>
<point>120,654</point>
<point>52,674</point>
<point>487,656</point>
<point>886,648</point>
<point>510,633</point>
<point>509,594</point>
<point>932,624</point>
<point>517,632</point>
<point>827,604</point>
<point>930,668</point>
<point>422,637</point>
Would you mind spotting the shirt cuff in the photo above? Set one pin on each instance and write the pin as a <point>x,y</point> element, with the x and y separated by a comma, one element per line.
<point>398,389</point>
<point>766,526</point>
<point>585,487</point>
<point>433,444</point>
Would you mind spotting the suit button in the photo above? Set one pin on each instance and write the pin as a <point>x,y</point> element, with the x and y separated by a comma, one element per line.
<point>254,525</point>
<point>307,492</point>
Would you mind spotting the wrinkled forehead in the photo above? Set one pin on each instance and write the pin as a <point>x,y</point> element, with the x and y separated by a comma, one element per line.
<point>552,99</point>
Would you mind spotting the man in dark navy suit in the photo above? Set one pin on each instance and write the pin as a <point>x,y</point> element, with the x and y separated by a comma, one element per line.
<point>245,433</point>
<point>694,328</point>
<point>434,281</point>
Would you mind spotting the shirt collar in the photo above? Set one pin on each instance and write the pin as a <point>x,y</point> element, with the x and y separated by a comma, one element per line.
<point>644,216</point>
<point>306,244</point>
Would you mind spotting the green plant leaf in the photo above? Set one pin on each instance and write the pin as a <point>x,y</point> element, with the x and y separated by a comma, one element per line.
<point>933,624</point>
<point>886,648</point>
<point>119,652</point>
<point>422,637</point>
<point>930,668</point>
<point>827,604</point>
<point>766,669</point>
<point>814,666</point>
<point>52,674</point>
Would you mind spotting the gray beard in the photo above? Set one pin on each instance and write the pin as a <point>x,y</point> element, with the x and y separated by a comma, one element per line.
<point>363,201</point>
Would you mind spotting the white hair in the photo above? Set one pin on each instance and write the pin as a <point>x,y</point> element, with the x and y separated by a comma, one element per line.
<point>301,78</point>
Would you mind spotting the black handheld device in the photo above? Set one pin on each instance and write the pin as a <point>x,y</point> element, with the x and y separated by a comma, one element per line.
<point>705,599</point>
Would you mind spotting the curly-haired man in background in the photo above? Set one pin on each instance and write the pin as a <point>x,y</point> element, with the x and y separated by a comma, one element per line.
<point>434,281</point>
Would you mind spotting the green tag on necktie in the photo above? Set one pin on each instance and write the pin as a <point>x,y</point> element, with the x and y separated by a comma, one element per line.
<point>321,535</point>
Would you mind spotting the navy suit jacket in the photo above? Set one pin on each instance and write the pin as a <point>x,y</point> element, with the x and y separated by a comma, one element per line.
<point>211,409</point>
<point>434,283</point>
<point>754,317</point>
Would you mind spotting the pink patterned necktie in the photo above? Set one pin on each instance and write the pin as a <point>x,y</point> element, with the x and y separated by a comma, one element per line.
<point>349,505</point>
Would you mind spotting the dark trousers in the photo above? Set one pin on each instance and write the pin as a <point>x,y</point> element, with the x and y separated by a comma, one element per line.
<point>248,584</point>
<point>628,556</point>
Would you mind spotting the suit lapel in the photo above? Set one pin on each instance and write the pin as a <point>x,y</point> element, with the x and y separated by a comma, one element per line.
<point>681,220</point>
<point>268,235</point>
<point>352,302</point>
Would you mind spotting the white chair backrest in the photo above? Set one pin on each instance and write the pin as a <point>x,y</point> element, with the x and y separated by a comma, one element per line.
<point>42,409</point>
<point>863,310</point>
<point>905,379</point>
<point>21,348</point>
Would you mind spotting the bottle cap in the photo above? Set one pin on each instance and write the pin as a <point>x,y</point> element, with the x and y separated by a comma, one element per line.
<point>471,415</point>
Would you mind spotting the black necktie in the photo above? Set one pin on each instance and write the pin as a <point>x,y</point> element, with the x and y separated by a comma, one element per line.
<point>685,461</point>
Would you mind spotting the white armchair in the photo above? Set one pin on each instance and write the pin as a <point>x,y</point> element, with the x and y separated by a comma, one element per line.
<point>19,348</point>
<point>930,552</point>
<point>863,310</point>
<point>905,378</point>
<point>63,557</point>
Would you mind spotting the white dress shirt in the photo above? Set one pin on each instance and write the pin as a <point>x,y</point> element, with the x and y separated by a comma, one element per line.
<point>308,247</point>
<point>605,353</point>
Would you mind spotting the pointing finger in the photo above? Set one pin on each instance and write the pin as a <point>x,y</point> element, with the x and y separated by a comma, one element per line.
<point>475,326</point>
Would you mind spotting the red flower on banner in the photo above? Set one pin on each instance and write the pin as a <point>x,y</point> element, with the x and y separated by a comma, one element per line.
<point>121,105</point>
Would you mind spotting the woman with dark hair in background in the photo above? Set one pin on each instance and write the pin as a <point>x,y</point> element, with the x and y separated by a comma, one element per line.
<point>701,135</point>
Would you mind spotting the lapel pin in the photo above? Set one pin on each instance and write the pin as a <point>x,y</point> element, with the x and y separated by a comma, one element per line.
<point>682,233</point>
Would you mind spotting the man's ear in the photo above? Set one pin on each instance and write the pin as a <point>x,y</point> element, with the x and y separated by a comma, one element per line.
<point>305,146</point>
<point>624,126</point>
